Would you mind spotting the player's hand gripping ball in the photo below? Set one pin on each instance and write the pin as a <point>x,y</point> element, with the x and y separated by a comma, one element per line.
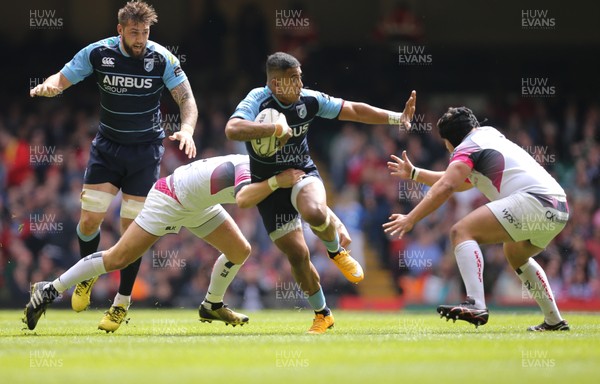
<point>266,146</point>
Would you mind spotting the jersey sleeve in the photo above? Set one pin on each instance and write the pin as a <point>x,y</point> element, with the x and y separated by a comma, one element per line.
<point>464,152</point>
<point>329,107</point>
<point>248,108</point>
<point>173,75</point>
<point>242,176</point>
<point>80,66</point>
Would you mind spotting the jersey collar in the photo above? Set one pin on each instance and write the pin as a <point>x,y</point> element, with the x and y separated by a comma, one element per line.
<point>268,90</point>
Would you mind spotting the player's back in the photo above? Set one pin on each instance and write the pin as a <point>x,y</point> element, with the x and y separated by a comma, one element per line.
<point>501,167</point>
<point>207,182</point>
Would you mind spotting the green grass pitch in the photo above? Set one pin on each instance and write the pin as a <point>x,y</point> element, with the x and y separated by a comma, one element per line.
<point>172,346</point>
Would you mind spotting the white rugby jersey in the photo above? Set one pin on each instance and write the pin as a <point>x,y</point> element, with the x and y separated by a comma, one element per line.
<point>207,182</point>
<point>501,168</point>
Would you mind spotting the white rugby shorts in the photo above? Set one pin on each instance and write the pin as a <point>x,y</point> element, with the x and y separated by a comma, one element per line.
<point>537,218</point>
<point>163,214</point>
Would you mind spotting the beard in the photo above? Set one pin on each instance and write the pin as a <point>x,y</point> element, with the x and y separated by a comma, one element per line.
<point>129,49</point>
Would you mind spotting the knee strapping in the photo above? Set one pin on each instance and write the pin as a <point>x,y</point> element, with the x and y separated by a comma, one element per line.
<point>131,208</point>
<point>95,201</point>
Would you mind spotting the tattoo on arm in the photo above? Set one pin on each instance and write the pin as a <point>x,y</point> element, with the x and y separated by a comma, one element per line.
<point>183,96</point>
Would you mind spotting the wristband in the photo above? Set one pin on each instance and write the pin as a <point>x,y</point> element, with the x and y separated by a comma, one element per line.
<point>279,131</point>
<point>394,118</point>
<point>415,173</point>
<point>273,183</point>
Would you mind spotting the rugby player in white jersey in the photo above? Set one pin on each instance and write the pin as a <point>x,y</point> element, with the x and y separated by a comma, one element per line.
<point>191,197</point>
<point>527,209</point>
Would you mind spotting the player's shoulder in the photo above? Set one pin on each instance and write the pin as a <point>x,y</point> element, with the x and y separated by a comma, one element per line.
<point>109,42</point>
<point>236,159</point>
<point>486,132</point>
<point>230,161</point>
<point>229,158</point>
<point>161,50</point>
<point>312,94</point>
<point>259,94</point>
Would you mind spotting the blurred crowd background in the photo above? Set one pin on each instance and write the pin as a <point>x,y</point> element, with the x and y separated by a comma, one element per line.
<point>538,85</point>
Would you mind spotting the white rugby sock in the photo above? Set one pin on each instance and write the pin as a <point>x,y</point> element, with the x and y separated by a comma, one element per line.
<point>470,264</point>
<point>222,274</point>
<point>534,278</point>
<point>122,300</point>
<point>86,268</point>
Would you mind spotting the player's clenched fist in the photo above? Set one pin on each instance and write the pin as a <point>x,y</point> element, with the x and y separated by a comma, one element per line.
<point>45,90</point>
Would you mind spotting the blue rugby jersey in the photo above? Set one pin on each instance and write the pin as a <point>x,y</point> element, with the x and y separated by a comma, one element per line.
<point>299,115</point>
<point>130,89</point>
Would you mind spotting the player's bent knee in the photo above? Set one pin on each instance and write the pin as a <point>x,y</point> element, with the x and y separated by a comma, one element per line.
<point>458,234</point>
<point>89,224</point>
<point>131,208</point>
<point>315,215</point>
<point>241,253</point>
<point>322,227</point>
<point>298,259</point>
<point>95,201</point>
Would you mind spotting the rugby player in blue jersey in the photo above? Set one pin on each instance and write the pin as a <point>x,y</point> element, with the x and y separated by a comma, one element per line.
<point>131,73</point>
<point>280,211</point>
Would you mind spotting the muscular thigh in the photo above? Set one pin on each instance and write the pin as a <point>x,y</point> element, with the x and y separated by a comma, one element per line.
<point>311,196</point>
<point>480,225</point>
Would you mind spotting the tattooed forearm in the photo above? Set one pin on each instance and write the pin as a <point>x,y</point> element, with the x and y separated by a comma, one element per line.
<point>183,96</point>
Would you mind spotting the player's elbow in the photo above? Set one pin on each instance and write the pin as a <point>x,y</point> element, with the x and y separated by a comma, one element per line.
<point>232,130</point>
<point>445,188</point>
<point>243,201</point>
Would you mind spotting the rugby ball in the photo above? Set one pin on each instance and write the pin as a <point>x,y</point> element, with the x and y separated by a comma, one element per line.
<point>266,146</point>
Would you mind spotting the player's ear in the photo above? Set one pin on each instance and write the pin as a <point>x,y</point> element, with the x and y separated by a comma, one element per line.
<point>120,29</point>
<point>274,84</point>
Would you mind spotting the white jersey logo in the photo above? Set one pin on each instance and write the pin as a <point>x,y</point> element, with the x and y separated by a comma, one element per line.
<point>108,62</point>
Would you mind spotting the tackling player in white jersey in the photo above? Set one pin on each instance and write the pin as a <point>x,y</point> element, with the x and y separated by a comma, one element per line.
<point>190,198</point>
<point>528,209</point>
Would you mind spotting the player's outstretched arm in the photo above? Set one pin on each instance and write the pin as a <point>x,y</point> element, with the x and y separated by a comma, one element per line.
<point>253,193</point>
<point>404,169</point>
<point>52,86</point>
<point>365,113</point>
<point>184,97</point>
<point>245,130</point>
<point>441,191</point>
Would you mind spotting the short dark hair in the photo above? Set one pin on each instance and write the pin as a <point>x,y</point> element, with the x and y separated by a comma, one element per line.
<point>456,123</point>
<point>138,12</point>
<point>280,61</point>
